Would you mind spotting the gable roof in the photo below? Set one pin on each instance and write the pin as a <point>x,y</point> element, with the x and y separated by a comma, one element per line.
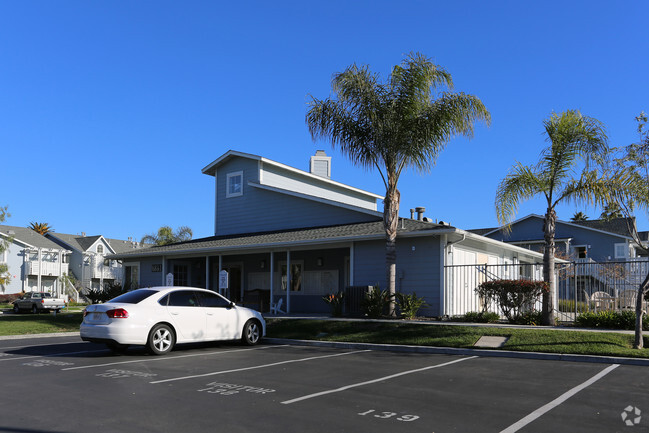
<point>616,226</point>
<point>313,237</point>
<point>211,168</point>
<point>293,237</point>
<point>83,243</point>
<point>29,237</point>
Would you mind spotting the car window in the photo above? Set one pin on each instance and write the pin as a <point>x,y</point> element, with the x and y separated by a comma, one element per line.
<point>183,298</point>
<point>134,297</point>
<point>213,300</point>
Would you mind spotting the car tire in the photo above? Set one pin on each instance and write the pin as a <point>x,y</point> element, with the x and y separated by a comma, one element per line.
<point>34,309</point>
<point>16,309</point>
<point>251,332</point>
<point>161,339</point>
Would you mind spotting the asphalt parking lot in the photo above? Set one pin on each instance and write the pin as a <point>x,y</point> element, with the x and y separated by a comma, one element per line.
<point>62,384</point>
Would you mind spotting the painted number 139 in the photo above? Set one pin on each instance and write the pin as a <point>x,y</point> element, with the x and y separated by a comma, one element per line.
<point>386,415</point>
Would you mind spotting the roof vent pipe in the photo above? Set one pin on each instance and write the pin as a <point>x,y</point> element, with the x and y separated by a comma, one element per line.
<point>412,214</point>
<point>420,213</point>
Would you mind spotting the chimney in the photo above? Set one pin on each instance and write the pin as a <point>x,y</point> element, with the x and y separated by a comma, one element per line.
<point>420,213</point>
<point>320,164</point>
<point>83,234</point>
<point>412,214</point>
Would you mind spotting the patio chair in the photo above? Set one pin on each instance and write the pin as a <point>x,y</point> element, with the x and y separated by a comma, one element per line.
<point>276,307</point>
<point>627,299</point>
<point>602,301</point>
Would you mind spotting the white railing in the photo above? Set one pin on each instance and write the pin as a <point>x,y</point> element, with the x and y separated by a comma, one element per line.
<point>47,268</point>
<point>107,273</point>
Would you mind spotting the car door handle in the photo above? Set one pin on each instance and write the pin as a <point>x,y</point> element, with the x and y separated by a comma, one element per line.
<point>174,313</point>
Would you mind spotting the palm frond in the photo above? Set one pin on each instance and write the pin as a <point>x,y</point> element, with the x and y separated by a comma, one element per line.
<point>520,184</point>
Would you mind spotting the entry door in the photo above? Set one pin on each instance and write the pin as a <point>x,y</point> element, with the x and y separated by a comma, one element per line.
<point>234,283</point>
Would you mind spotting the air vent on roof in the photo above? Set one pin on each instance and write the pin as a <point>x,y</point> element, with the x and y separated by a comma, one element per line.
<point>320,164</point>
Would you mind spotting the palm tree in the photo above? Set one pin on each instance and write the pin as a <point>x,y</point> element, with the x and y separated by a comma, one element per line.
<point>392,126</point>
<point>611,211</point>
<point>166,236</point>
<point>572,137</point>
<point>41,228</point>
<point>579,216</point>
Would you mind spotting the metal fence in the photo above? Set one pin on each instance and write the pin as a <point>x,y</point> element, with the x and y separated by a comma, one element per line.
<point>581,285</point>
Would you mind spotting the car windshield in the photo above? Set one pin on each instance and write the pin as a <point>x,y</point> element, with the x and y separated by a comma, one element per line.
<point>134,297</point>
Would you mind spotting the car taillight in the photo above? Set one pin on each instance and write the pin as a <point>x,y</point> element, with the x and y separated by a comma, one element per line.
<point>85,312</point>
<point>118,313</point>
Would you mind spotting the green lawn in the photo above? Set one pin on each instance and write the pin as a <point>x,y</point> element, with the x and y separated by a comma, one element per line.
<point>532,340</point>
<point>18,324</point>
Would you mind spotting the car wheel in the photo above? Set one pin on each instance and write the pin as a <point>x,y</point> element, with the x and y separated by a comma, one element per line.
<point>161,339</point>
<point>117,348</point>
<point>34,309</point>
<point>251,333</point>
<point>16,309</point>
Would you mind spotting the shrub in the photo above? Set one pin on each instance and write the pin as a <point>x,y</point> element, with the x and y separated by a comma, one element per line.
<point>376,302</point>
<point>109,292</point>
<point>475,317</point>
<point>610,320</point>
<point>529,318</point>
<point>335,301</point>
<point>512,296</point>
<point>409,305</point>
<point>8,299</point>
<point>568,306</point>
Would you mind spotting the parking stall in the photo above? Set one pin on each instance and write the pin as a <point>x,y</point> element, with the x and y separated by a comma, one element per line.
<point>301,388</point>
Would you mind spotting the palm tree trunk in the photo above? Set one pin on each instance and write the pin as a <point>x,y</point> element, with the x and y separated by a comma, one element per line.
<point>391,224</point>
<point>549,225</point>
<point>638,342</point>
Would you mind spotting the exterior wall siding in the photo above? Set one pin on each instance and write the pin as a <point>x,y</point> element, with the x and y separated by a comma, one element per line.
<point>259,210</point>
<point>418,269</point>
<point>284,179</point>
<point>602,245</point>
<point>16,269</point>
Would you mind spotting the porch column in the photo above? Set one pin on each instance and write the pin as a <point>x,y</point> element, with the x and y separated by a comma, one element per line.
<point>220,267</point>
<point>164,272</point>
<point>351,264</point>
<point>59,288</point>
<point>40,270</point>
<point>288,282</point>
<point>272,275</point>
<point>207,272</point>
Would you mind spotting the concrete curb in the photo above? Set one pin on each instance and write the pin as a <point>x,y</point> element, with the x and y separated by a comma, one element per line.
<point>465,352</point>
<point>27,336</point>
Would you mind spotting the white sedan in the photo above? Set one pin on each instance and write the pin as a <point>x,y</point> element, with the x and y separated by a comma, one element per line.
<point>160,317</point>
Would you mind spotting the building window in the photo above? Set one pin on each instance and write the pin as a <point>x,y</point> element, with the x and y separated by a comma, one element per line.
<point>234,184</point>
<point>581,252</point>
<point>100,249</point>
<point>296,276</point>
<point>621,251</point>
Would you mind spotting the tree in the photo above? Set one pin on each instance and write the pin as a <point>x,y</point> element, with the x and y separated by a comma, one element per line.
<point>611,211</point>
<point>579,216</point>
<point>5,277</point>
<point>572,137</point>
<point>166,236</point>
<point>629,191</point>
<point>393,125</point>
<point>41,228</point>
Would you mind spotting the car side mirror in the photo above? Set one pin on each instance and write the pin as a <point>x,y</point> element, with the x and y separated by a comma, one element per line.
<point>232,305</point>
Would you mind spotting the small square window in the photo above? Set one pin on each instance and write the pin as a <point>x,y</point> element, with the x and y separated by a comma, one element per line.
<point>234,184</point>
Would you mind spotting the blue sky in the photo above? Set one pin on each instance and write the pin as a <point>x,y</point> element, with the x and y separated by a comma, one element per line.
<point>109,110</point>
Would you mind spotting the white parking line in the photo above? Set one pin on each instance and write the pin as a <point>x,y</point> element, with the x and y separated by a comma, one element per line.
<point>557,401</point>
<point>50,355</point>
<point>369,382</point>
<point>259,366</point>
<point>167,358</point>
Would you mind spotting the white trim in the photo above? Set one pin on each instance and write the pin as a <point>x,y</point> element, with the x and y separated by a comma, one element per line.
<point>316,199</point>
<point>229,176</point>
<point>558,221</point>
<point>230,153</point>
